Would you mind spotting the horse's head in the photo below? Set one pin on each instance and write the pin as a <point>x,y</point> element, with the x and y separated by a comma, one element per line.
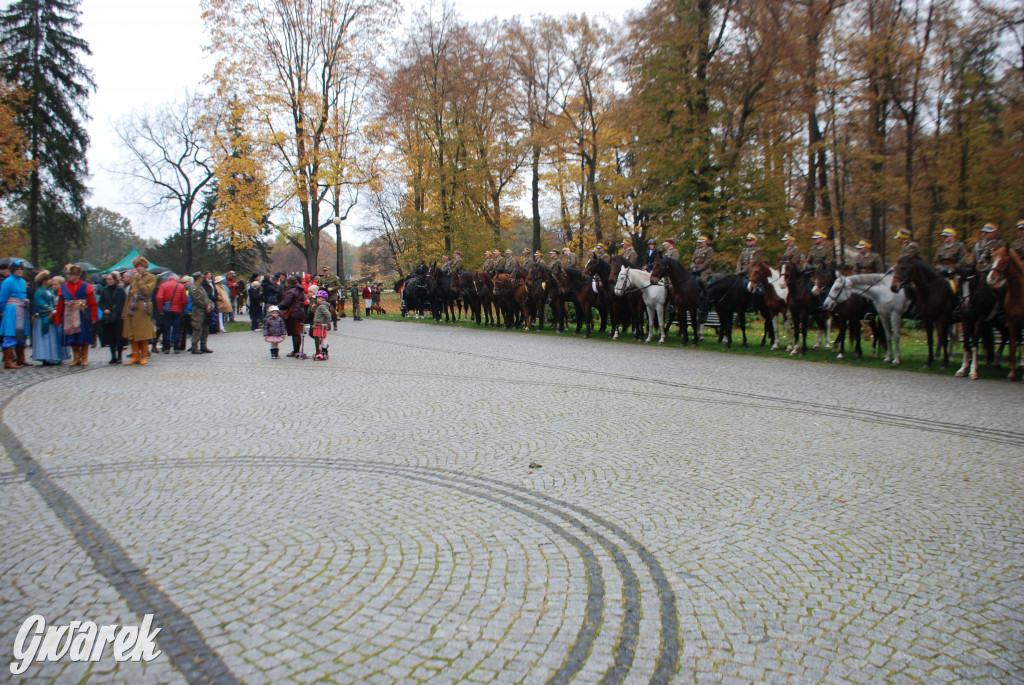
<point>657,270</point>
<point>901,273</point>
<point>822,280</point>
<point>757,276</point>
<point>836,294</point>
<point>1002,264</point>
<point>622,280</point>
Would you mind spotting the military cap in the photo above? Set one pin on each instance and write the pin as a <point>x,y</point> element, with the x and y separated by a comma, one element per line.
<point>989,228</point>
<point>863,243</point>
<point>947,231</point>
<point>788,236</point>
<point>818,234</point>
<point>751,236</point>
<point>902,233</point>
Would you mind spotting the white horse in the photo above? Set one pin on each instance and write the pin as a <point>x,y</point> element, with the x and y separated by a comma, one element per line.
<point>891,307</point>
<point>655,296</point>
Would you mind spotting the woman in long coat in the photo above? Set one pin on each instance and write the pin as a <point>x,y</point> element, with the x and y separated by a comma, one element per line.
<point>137,316</point>
<point>112,299</point>
<point>47,346</point>
<point>293,310</point>
<point>15,327</point>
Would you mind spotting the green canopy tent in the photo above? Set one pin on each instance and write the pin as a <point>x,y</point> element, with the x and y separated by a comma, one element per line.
<point>126,263</point>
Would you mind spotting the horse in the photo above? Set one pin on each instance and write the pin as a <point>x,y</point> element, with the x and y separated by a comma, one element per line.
<point>607,304</point>
<point>769,283</point>
<point>627,307</point>
<point>801,304</point>
<point>654,296</point>
<point>484,286</point>
<point>729,295</point>
<point>1007,277</point>
<point>821,279</point>
<point>574,286</point>
<point>685,292</point>
<point>415,294</point>
<point>891,306</point>
<point>543,288</point>
<point>513,299</point>
<point>978,301</point>
<point>934,298</point>
<point>849,316</point>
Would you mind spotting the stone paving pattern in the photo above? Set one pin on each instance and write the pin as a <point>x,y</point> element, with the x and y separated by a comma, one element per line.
<point>374,518</point>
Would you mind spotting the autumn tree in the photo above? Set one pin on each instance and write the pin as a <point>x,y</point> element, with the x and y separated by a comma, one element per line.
<point>169,162</point>
<point>42,55</point>
<point>110,237</point>
<point>291,63</point>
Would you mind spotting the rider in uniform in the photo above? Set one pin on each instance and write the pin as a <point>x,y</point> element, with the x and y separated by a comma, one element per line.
<point>652,254</point>
<point>446,265</point>
<point>527,259</point>
<point>1018,244</point>
<point>570,259</point>
<point>538,259</point>
<point>703,255</point>
<point>511,263</point>
<point>951,254</point>
<point>670,251</point>
<point>984,248</point>
<point>556,261</point>
<point>499,261</point>
<point>628,253</point>
<point>456,264</point>
<point>792,253</point>
<point>821,253</point>
<point>907,246</point>
<point>488,263</point>
<point>867,262</point>
<point>750,255</point>
<point>601,254</point>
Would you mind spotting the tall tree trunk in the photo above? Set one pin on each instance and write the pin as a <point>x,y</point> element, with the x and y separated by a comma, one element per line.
<point>535,197</point>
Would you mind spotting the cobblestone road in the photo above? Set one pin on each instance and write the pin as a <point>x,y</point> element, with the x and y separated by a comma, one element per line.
<point>375,518</point>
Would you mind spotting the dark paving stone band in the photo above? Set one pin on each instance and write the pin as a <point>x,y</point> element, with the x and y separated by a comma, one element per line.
<point>531,504</point>
<point>179,637</point>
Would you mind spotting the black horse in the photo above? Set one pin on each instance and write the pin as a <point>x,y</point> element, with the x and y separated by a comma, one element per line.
<point>729,296</point>
<point>934,298</point>
<point>685,293</point>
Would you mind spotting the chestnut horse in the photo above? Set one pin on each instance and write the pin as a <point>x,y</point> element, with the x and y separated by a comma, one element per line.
<point>1007,277</point>
<point>772,286</point>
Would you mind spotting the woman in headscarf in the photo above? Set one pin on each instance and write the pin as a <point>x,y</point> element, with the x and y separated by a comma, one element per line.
<point>112,299</point>
<point>46,334</point>
<point>14,327</point>
<point>293,310</point>
<point>77,313</point>
<point>137,317</point>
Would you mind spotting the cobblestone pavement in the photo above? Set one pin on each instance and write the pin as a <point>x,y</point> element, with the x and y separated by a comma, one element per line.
<point>450,505</point>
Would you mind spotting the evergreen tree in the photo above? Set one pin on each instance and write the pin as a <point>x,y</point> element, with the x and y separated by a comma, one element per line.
<point>41,53</point>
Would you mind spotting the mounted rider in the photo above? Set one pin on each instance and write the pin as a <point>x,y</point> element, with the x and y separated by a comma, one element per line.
<point>601,254</point>
<point>446,264</point>
<point>867,262</point>
<point>1018,244</point>
<point>908,248</point>
<point>511,264</point>
<point>792,253</point>
<point>821,253</point>
<point>488,263</point>
<point>499,261</point>
<point>652,254</point>
<point>703,257</point>
<point>556,261</point>
<point>456,264</point>
<point>951,259</point>
<point>528,260</point>
<point>670,250</point>
<point>629,255</point>
<point>750,255</point>
<point>984,248</point>
<point>569,258</point>
<point>538,259</point>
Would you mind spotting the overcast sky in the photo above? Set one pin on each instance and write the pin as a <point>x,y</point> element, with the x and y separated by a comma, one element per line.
<point>147,52</point>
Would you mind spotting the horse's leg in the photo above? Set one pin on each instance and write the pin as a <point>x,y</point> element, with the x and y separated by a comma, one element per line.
<point>929,331</point>
<point>894,345</point>
<point>661,323</point>
<point>944,342</point>
<point>743,326</point>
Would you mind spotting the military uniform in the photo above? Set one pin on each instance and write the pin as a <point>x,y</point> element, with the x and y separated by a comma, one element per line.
<point>869,263</point>
<point>673,253</point>
<point>821,255</point>
<point>983,250</point>
<point>488,265</point>
<point>793,256</point>
<point>749,256</point>
<point>511,263</point>
<point>539,261</point>
<point>604,257</point>
<point>528,262</point>
<point>629,254</point>
<point>200,324</point>
<point>334,287</point>
<point>910,249</point>
<point>455,266</point>
<point>571,260</point>
<point>447,266</point>
<point>951,256</point>
<point>1018,246</point>
<point>499,263</point>
<point>555,262</point>
<point>701,262</point>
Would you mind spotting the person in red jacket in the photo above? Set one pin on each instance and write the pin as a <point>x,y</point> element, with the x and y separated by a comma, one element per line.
<point>368,297</point>
<point>171,300</point>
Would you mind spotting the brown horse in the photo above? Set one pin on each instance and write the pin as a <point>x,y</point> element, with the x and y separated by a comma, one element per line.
<point>574,287</point>
<point>513,298</point>
<point>1007,276</point>
<point>934,299</point>
<point>761,278</point>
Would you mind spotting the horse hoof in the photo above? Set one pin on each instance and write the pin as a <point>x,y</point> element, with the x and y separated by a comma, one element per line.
<point>959,374</point>
<point>839,356</point>
<point>974,376</point>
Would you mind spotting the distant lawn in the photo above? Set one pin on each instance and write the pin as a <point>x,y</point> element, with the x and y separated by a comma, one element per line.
<point>914,347</point>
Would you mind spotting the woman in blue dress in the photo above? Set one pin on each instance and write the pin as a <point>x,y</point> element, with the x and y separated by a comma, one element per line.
<point>46,333</point>
<point>14,327</point>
